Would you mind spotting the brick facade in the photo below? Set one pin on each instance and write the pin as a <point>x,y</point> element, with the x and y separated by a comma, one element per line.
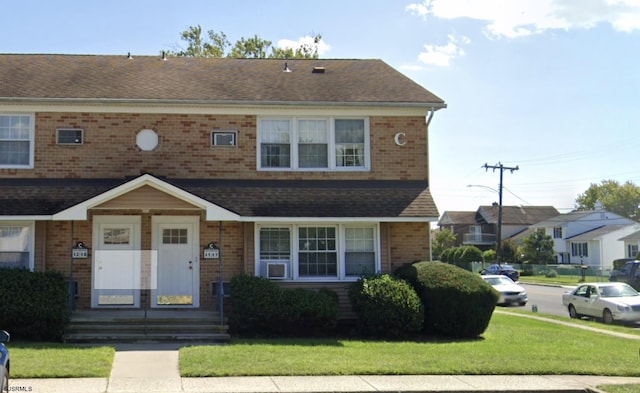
<point>185,151</point>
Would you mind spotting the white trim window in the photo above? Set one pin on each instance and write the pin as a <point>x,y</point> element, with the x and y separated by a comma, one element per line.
<point>319,252</point>
<point>16,244</point>
<point>557,232</point>
<point>579,249</point>
<point>305,143</point>
<point>16,140</point>
<point>632,250</point>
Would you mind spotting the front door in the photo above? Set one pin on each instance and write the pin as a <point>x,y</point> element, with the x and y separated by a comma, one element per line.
<point>175,239</point>
<point>116,261</point>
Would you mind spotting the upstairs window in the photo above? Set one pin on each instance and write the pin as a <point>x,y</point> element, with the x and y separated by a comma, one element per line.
<point>300,143</point>
<point>16,141</point>
<point>275,144</point>
<point>350,137</point>
<point>557,233</point>
<point>224,138</point>
<point>69,136</point>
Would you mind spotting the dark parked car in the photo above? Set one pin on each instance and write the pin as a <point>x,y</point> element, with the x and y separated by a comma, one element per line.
<point>502,270</point>
<point>4,362</point>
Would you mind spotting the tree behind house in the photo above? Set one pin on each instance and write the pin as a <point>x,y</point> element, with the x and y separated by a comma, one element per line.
<point>216,44</point>
<point>537,248</point>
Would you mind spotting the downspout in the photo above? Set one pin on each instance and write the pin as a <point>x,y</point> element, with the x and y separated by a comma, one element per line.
<point>71,286</point>
<point>220,294</point>
<point>432,111</point>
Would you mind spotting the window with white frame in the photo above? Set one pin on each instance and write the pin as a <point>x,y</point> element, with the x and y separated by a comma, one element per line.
<point>360,253</point>
<point>557,233</point>
<point>579,250</point>
<point>350,137</point>
<point>318,251</point>
<point>16,245</point>
<point>16,141</point>
<point>632,250</point>
<point>300,143</point>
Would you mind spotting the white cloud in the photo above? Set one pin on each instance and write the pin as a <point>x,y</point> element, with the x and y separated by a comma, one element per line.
<point>516,18</point>
<point>442,55</point>
<point>323,47</point>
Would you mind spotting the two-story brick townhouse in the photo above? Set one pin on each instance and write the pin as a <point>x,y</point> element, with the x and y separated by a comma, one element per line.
<point>148,181</point>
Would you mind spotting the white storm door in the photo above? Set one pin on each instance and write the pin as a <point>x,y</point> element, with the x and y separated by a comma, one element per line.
<point>116,261</point>
<point>175,239</point>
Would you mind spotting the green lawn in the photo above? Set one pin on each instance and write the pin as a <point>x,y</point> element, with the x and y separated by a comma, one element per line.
<point>55,360</point>
<point>511,345</point>
<point>561,279</point>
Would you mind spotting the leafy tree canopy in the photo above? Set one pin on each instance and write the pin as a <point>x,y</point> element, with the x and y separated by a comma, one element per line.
<point>621,199</point>
<point>442,240</point>
<point>537,248</point>
<point>216,44</point>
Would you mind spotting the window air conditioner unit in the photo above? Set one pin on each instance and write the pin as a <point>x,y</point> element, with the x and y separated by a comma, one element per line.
<point>277,270</point>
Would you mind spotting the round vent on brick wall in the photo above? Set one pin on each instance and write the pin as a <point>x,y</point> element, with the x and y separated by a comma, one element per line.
<point>147,140</point>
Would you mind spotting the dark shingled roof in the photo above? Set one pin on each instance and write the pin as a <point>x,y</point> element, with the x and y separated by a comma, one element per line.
<point>222,80</point>
<point>247,198</point>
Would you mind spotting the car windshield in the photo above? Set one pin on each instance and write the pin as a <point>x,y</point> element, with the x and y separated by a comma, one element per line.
<point>498,281</point>
<point>618,291</point>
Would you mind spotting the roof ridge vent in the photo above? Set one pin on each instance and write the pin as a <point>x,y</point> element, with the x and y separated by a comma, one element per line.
<point>318,70</point>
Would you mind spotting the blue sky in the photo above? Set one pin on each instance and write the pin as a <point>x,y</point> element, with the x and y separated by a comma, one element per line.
<point>550,86</point>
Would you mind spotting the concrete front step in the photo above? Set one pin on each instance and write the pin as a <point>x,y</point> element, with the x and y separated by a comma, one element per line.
<point>105,326</point>
<point>85,338</point>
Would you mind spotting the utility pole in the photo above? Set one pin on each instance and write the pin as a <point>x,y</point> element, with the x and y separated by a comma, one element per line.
<point>502,168</point>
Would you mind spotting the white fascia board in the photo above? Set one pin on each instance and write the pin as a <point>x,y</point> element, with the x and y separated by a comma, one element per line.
<point>25,218</point>
<point>79,211</point>
<point>208,108</point>
<point>338,219</point>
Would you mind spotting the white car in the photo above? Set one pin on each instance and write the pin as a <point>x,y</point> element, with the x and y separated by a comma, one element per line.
<point>4,362</point>
<point>510,292</point>
<point>607,301</point>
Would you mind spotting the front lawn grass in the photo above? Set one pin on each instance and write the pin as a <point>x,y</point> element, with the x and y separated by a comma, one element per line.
<point>511,345</point>
<point>560,279</point>
<point>56,360</point>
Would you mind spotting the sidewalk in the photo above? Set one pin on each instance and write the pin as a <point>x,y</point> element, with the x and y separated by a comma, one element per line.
<point>369,383</point>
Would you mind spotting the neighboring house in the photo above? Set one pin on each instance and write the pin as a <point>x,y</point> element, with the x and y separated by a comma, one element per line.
<point>150,182</point>
<point>631,244</point>
<point>590,237</point>
<point>480,228</point>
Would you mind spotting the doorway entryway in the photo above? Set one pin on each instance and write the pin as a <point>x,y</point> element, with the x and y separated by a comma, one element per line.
<point>116,262</point>
<point>176,242</point>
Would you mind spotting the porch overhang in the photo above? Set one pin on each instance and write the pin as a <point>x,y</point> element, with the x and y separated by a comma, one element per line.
<point>79,212</point>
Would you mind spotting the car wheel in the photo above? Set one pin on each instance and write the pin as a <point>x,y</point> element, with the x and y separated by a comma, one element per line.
<point>522,303</point>
<point>607,317</point>
<point>572,312</point>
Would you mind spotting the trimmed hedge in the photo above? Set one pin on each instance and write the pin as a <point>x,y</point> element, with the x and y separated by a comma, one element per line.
<point>456,302</point>
<point>35,305</point>
<point>386,306</point>
<point>261,308</point>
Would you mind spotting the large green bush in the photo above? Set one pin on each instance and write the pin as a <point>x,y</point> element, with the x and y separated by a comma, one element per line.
<point>386,306</point>
<point>456,302</point>
<point>471,254</point>
<point>262,308</point>
<point>34,305</point>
